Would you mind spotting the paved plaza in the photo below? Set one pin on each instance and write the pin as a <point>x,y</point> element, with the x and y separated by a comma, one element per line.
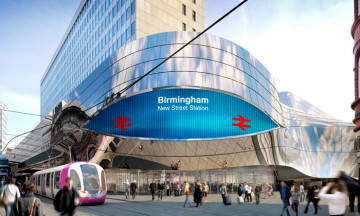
<point>143,205</point>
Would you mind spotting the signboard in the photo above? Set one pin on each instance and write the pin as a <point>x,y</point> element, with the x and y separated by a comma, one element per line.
<point>181,114</point>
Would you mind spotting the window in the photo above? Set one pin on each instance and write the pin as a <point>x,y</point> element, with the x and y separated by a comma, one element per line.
<point>133,7</point>
<point>194,1</point>
<point>90,178</point>
<point>184,9</point>
<point>57,180</point>
<point>194,15</point>
<point>132,28</point>
<point>128,12</point>
<point>47,179</point>
<point>184,27</point>
<point>76,179</point>
<point>38,180</point>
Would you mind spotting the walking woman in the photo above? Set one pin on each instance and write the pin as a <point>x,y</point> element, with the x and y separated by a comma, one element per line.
<point>187,192</point>
<point>10,193</point>
<point>205,191</point>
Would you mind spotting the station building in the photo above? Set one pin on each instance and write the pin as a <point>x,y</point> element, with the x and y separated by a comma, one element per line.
<point>211,112</point>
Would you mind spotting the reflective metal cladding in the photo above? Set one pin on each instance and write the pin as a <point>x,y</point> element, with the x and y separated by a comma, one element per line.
<point>212,83</point>
<point>309,140</point>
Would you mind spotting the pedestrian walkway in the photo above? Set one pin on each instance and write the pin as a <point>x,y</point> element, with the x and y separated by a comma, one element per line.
<point>173,206</point>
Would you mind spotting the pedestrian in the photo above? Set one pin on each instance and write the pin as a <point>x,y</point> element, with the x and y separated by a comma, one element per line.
<point>249,193</point>
<point>295,199</point>
<point>160,188</point>
<point>353,188</point>
<point>152,189</point>
<point>28,204</point>
<point>167,189</point>
<point>9,195</point>
<point>239,190</point>
<point>133,187</point>
<point>127,188</point>
<point>270,190</point>
<point>197,194</point>
<point>187,192</point>
<point>337,199</point>
<point>67,199</point>
<point>258,190</point>
<point>310,197</point>
<point>285,196</point>
<point>222,190</point>
<point>302,192</point>
<point>205,191</point>
<point>316,198</point>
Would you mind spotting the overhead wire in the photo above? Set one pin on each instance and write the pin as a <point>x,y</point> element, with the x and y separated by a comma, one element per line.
<point>146,74</point>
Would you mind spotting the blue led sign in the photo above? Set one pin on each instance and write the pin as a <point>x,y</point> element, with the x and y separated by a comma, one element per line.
<point>181,114</point>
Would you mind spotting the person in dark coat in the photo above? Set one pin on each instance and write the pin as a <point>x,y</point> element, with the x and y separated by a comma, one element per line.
<point>197,194</point>
<point>310,196</point>
<point>240,190</point>
<point>28,204</point>
<point>258,190</point>
<point>67,199</point>
<point>353,188</point>
<point>133,187</point>
<point>152,189</point>
<point>160,188</point>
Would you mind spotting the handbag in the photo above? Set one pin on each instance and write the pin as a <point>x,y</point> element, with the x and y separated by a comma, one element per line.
<point>4,199</point>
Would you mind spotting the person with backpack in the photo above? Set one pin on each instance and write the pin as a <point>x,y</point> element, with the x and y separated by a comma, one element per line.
<point>67,199</point>
<point>28,204</point>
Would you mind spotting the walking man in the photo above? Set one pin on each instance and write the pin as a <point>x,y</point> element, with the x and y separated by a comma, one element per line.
<point>258,190</point>
<point>133,187</point>
<point>67,199</point>
<point>127,188</point>
<point>152,189</point>
<point>160,190</point>
<point>302,192</point>
<point>285,196</point>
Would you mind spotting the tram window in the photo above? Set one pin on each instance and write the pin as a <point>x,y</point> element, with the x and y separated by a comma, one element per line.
<point>38,180</point>
<point>103,185</point>
<point>57,180</point>
<point>47,179</point>
<point>43,179</point>
<point>76,180</point>
<point>91,178</point>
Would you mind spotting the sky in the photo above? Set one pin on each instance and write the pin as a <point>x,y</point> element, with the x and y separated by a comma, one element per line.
<point>305,44</point>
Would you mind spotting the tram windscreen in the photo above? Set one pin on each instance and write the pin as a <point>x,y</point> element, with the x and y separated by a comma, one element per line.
<point>91,178</point>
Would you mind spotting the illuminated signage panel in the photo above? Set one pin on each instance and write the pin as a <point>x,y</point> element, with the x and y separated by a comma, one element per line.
<point>181,114</point>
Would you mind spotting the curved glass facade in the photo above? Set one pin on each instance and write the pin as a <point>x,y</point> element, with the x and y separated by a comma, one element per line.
<point>209,62</point>
<point>310,142</point>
